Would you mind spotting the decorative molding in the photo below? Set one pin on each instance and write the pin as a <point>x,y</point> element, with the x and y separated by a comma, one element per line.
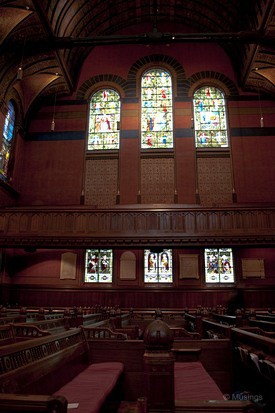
<point>138,225</point>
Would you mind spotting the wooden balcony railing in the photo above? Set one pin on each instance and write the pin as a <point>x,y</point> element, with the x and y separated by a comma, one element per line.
<point>137,226</point>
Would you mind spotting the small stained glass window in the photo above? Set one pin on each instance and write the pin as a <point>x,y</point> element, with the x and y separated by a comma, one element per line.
<point>8,134</point>
<point>158,266</point>
<point>210,118</point>
<point>104,120</point>
<point>219,265</point>
<point>156,107</point>
<point>99,266</point>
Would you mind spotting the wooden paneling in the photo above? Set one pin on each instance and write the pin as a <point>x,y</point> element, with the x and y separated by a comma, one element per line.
<point>135,297</point>
<point>161,225</point>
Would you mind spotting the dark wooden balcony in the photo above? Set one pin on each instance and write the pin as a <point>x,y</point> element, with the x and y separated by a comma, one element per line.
<point>137,226</point>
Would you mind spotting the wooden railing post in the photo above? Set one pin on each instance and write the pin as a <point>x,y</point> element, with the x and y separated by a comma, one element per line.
<point>159,368</point>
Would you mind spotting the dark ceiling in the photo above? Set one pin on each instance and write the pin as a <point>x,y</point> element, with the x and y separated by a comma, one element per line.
<point>52,38</point>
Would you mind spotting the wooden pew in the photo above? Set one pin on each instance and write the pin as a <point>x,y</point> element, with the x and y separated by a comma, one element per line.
<point>264,325</point>
<point>18,403</point>
<point>13,333</point>
<point>254,364</point>
<point>215,330</point>
<point>98,333</point>
<point>215,406</point>
<point>193,322</point>
<point>54,365</point>
<point>225,319</point>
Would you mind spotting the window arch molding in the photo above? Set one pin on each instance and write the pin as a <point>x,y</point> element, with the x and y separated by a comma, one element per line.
<point>92,85</point>
<point>159,66</point>
<point>215,79</point>
<point>164,62</point>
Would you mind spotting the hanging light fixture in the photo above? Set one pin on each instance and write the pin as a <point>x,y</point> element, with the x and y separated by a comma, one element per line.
<point>260,105</point>
<point>19,74</point>
<point>53,119</point>
<point>261,113</point>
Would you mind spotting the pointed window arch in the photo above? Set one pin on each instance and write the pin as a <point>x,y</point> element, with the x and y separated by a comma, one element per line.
<point>104,120</point>
<point>210,118</point>
<point>156,110</point>
<point>8,135</point>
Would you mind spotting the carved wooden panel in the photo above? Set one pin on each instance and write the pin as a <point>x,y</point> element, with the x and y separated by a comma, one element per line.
<point>157,181</point>
<point>214,180</point>
<point>85,226</point>
<point>101,182</point>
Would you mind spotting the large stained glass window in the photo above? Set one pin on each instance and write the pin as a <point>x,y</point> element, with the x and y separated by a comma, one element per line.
<point>210,118</point>
<point>99,266</point>
<point>104,120</point>
<point>8,134</point>
<point>158,266</point>
<point>156,109</point>
<point>219,265</point>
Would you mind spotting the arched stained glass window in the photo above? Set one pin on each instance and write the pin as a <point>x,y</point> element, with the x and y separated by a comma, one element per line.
<point>210,118</point>
<point>104,120</point>
<point>158,266</point>
<point>98,266</point>
<point>156,109</point>
<point>218,265</point>
<point>8,134</point>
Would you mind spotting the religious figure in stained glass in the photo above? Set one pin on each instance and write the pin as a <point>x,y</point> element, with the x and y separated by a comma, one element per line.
<point>210,118</point>
<point>219,265</point>
<point>156,109</point>
<point>98,266</point>
<point>104,120</point>
<point>158,266</point>
<point>8,134</point>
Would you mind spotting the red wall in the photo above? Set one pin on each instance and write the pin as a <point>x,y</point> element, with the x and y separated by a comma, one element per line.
<point>34,279</point>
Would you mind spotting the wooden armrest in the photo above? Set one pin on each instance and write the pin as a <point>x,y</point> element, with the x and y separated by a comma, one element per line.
<point>216,406</point>
<point>186,350</point>
<point>32,403</point>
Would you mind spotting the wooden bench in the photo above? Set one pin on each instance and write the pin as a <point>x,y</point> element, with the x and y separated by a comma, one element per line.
<point>215,330</point>
<point>215,406</point>
<point>254,363</point>
<point>56,365</point>
<point>13,333</point>
<point>18,403</point>
<point>264,325</point>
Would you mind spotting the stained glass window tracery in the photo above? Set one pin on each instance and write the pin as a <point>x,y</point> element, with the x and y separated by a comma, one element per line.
<point>158,266</point>
<point>156,110</point>
<point>8,134</point>
<point>219,265</point>
<point>98,266</point>
<point>104,120</point>
<point>210,119</point>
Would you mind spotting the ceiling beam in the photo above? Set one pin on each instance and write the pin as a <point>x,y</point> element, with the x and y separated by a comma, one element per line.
<point>40,10</point>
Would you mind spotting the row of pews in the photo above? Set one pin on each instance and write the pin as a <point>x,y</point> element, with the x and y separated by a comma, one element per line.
<point>252,337</point>
<point>41,364</point>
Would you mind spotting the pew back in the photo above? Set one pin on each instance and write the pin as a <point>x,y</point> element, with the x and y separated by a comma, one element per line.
<point>41,365</point>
